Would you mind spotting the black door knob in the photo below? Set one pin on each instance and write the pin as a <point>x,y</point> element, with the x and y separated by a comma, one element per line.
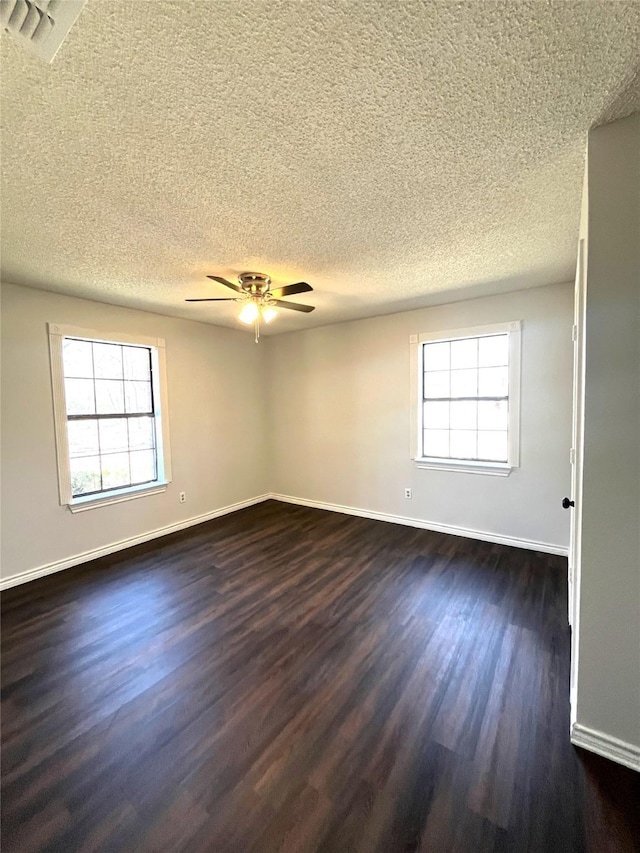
<point>566,503</point>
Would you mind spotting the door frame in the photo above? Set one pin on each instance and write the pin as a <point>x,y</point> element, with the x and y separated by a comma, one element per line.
<point>577,438</point>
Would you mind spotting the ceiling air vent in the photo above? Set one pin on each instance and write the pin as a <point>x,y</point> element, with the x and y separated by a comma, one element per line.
<point>40,25</point>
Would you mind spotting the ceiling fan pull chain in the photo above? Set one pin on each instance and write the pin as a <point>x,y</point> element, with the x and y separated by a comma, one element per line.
<point>257,327</point>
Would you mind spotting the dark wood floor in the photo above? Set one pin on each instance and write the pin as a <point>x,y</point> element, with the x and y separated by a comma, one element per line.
<point>297,680</point>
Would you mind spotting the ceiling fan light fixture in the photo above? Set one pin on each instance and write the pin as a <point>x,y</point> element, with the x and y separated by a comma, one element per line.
<point>269,313</point>
<point>249,313</point>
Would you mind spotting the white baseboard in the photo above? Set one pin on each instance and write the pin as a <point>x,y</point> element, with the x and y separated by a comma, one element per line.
<point>84,557</point>
<point>483,536</point>
<point>609,747</point>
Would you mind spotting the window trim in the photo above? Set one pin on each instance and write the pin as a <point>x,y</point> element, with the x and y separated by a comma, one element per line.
<point>498,469</point>
<point>57,332</point>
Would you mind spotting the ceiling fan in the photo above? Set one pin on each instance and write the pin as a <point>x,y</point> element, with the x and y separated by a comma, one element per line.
<point>258,300</point>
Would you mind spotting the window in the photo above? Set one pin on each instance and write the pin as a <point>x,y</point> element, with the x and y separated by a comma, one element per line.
<point>109,400</point>
<point>467,398</point>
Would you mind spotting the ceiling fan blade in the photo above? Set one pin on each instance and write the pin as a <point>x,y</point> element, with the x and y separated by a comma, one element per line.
<point>226,283</point>
<point>291,289</point>
<point>230,299</point>
<point>294,306</point>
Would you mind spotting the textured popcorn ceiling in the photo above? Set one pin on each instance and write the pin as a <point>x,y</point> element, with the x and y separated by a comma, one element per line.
<point>393,154</point>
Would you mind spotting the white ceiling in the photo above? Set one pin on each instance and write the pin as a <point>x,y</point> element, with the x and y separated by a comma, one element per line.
<point>392,154</point>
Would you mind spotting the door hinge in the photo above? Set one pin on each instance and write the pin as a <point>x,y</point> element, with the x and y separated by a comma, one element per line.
<point>572,456</point>
<point>574,332</point>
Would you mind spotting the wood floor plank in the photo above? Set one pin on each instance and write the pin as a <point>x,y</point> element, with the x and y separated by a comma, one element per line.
<point>289,679</point>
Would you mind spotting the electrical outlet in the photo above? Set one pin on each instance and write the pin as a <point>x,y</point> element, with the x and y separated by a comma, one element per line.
<point>408,493</point>
<point>183,497</point>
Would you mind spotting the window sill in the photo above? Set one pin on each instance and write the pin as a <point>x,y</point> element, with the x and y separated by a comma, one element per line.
<point>116,497</point>
<point>492,469</point>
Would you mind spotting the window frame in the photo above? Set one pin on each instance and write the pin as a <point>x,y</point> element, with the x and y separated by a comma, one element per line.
<point>57,333</point>
<point>501,469</point>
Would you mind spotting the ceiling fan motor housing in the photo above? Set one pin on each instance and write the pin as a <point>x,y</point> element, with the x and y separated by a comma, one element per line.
<point>254,282</point>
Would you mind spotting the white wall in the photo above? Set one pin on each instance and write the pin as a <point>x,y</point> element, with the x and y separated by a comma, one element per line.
<point>339,414</point>
<point>608,689</point>
<point>216,402</point>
